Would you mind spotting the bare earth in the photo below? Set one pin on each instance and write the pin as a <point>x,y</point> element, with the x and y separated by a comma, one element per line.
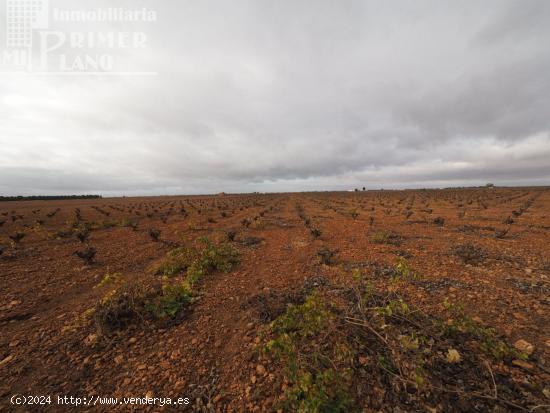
<point>211,351</point>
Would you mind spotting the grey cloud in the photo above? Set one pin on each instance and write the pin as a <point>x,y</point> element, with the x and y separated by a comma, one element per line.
<point>261,95</point>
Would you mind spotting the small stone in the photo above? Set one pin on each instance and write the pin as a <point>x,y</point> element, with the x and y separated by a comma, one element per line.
<point>194,341</point>
<point>132,340</point>
<point>260,370</point>
<point>522,364</point>
<point>14,343</point>
<point>547,342</point>
<point>149,394</point>
<point>119,359</point>
<point>91,339</point>
<point>6,360</point>
<point>453,356</point>
<point>253,379</point>
<point>528,270</point>
<point>363,360</point>
<point>142,367</point>
<point>524,347</point>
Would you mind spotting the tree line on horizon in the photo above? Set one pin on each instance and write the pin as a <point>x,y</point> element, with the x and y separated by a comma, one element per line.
<point>47,197</point>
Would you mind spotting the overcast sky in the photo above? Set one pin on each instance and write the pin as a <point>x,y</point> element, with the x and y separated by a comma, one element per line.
<point>291,95</point>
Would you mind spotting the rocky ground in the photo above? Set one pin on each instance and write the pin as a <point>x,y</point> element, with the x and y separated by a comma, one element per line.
<point>465,261</point>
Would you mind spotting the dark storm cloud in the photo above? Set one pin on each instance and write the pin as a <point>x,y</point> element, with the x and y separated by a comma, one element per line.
<point>260,95</point>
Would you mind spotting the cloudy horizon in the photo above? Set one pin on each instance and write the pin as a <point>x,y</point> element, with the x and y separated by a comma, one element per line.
<point>283,96</point>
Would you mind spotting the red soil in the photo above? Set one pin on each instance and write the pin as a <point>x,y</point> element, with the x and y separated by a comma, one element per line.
<point>210,353</point>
